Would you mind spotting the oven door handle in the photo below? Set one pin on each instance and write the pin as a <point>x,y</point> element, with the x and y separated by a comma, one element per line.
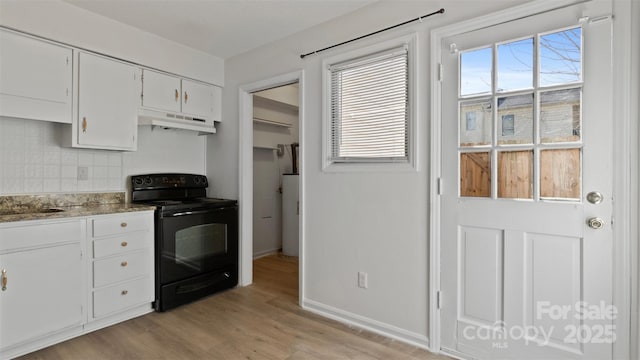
<point>198,212</point>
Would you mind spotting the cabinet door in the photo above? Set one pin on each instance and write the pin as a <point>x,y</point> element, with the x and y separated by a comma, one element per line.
<point>161,91</point>
<point>197,100</point>
<point>35,79</point>
<point>108,97</point>
<point>43,293</point>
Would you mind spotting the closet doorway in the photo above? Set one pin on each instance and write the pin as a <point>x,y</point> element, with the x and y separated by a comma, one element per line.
<point>275,171</point>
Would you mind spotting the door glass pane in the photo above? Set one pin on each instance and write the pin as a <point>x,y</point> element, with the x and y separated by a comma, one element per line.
<point>560,115</point>
<point>475,72</point>
<point>515,174</point>
<point>515,65</point>
<point>560,174</point>
<point>198,242</point>
<point>475,122</point>
<point>561,57</point>
<point>515,119</point>
<point>475,174</point>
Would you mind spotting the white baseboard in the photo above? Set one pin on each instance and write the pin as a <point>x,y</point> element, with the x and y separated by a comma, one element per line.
<point>365,323</point>
<point>265,253</point>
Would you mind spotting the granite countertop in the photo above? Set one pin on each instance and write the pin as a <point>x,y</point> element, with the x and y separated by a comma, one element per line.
<point>56,206</point>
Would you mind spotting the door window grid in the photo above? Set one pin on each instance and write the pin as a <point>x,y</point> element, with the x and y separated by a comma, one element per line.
<point>551,160</point>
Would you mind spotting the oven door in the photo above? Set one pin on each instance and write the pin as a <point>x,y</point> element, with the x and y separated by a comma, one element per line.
<point>196,242</point>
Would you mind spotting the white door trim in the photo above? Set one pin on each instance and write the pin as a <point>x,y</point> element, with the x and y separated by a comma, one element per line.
<point>626,165</point>
<point>245,175</point>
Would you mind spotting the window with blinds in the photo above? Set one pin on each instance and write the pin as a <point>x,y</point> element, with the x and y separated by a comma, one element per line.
<point>370,108</point>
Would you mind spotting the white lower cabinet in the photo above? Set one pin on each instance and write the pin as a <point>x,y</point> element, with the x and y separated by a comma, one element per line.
<point>110,299</point>
<point>122,264</point>
<point>51,291</point>
<point>41,281</point>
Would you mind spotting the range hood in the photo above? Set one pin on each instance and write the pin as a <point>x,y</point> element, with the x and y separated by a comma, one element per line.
<point>166,120</point>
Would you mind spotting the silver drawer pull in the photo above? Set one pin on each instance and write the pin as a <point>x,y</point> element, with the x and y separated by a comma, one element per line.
<point>124,263</point>
<point>124,292</point>
<point>124,224</point>
<point>124,243</point>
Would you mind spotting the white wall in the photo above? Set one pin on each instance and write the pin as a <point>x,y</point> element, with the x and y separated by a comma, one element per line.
<point>63,22</point>
<point>166,151</point>
<point>372,222</point>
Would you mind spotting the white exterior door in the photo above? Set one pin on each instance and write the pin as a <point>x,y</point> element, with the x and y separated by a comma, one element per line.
<point>526,253</point>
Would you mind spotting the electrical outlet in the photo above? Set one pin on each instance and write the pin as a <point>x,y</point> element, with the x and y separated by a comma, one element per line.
<point>362,280</point>
<point>280,150</point>
<point>83,173</point>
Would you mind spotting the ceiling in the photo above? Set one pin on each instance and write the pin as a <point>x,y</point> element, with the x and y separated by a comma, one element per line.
<point>223,28</point>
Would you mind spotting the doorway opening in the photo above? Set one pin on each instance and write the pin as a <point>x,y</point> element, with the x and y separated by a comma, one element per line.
<point>271,180</point>
<point>276,180</point>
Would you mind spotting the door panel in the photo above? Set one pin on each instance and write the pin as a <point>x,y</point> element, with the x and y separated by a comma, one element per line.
<point>519,261</point>
<point>481,260</point>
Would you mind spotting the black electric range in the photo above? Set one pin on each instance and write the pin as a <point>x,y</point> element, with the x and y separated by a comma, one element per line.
<point>196,239</point>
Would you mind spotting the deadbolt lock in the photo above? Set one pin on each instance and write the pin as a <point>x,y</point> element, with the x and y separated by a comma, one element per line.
<point>595,197</point>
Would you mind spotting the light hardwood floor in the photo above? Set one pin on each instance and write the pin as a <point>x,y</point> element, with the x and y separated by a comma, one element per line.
<point>261,321</point>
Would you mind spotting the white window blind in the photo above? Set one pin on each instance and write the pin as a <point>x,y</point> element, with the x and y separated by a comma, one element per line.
<point>369,108</point>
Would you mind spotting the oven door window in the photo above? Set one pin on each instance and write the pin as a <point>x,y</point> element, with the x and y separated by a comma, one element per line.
<point>194,244</point>
<point>199,242</point>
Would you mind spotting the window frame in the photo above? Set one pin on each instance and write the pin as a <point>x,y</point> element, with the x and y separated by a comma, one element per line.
<point>328,164</point>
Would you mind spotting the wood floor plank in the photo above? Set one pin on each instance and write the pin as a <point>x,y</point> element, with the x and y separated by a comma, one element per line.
<point>261,321</point>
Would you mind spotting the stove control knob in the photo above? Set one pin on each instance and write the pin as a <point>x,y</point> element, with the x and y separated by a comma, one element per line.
<point>203,180</point>
<point>147,180</point>
<point>196,180</point>
<point>138,181</point>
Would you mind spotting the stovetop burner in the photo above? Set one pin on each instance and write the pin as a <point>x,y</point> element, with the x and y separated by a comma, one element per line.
<point>175,192</point>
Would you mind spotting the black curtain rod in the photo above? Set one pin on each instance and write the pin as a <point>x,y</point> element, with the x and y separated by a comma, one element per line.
<point>441,11</point>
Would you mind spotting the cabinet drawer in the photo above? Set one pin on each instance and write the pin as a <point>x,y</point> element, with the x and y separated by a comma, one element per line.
<point>120,268</point>
<point>120,225</point>
<point>119,297</point>
<point>34,234</point>
<point>121,244</point>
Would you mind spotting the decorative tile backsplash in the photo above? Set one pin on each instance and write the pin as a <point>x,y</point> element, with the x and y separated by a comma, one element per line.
<point>32,161</point>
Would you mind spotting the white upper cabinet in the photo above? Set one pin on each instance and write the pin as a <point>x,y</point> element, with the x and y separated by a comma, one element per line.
<point>169,100</point>
<point>161,92</point>
<point>197,99</point>
<point>35,78</point>
<point>108,100</point>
